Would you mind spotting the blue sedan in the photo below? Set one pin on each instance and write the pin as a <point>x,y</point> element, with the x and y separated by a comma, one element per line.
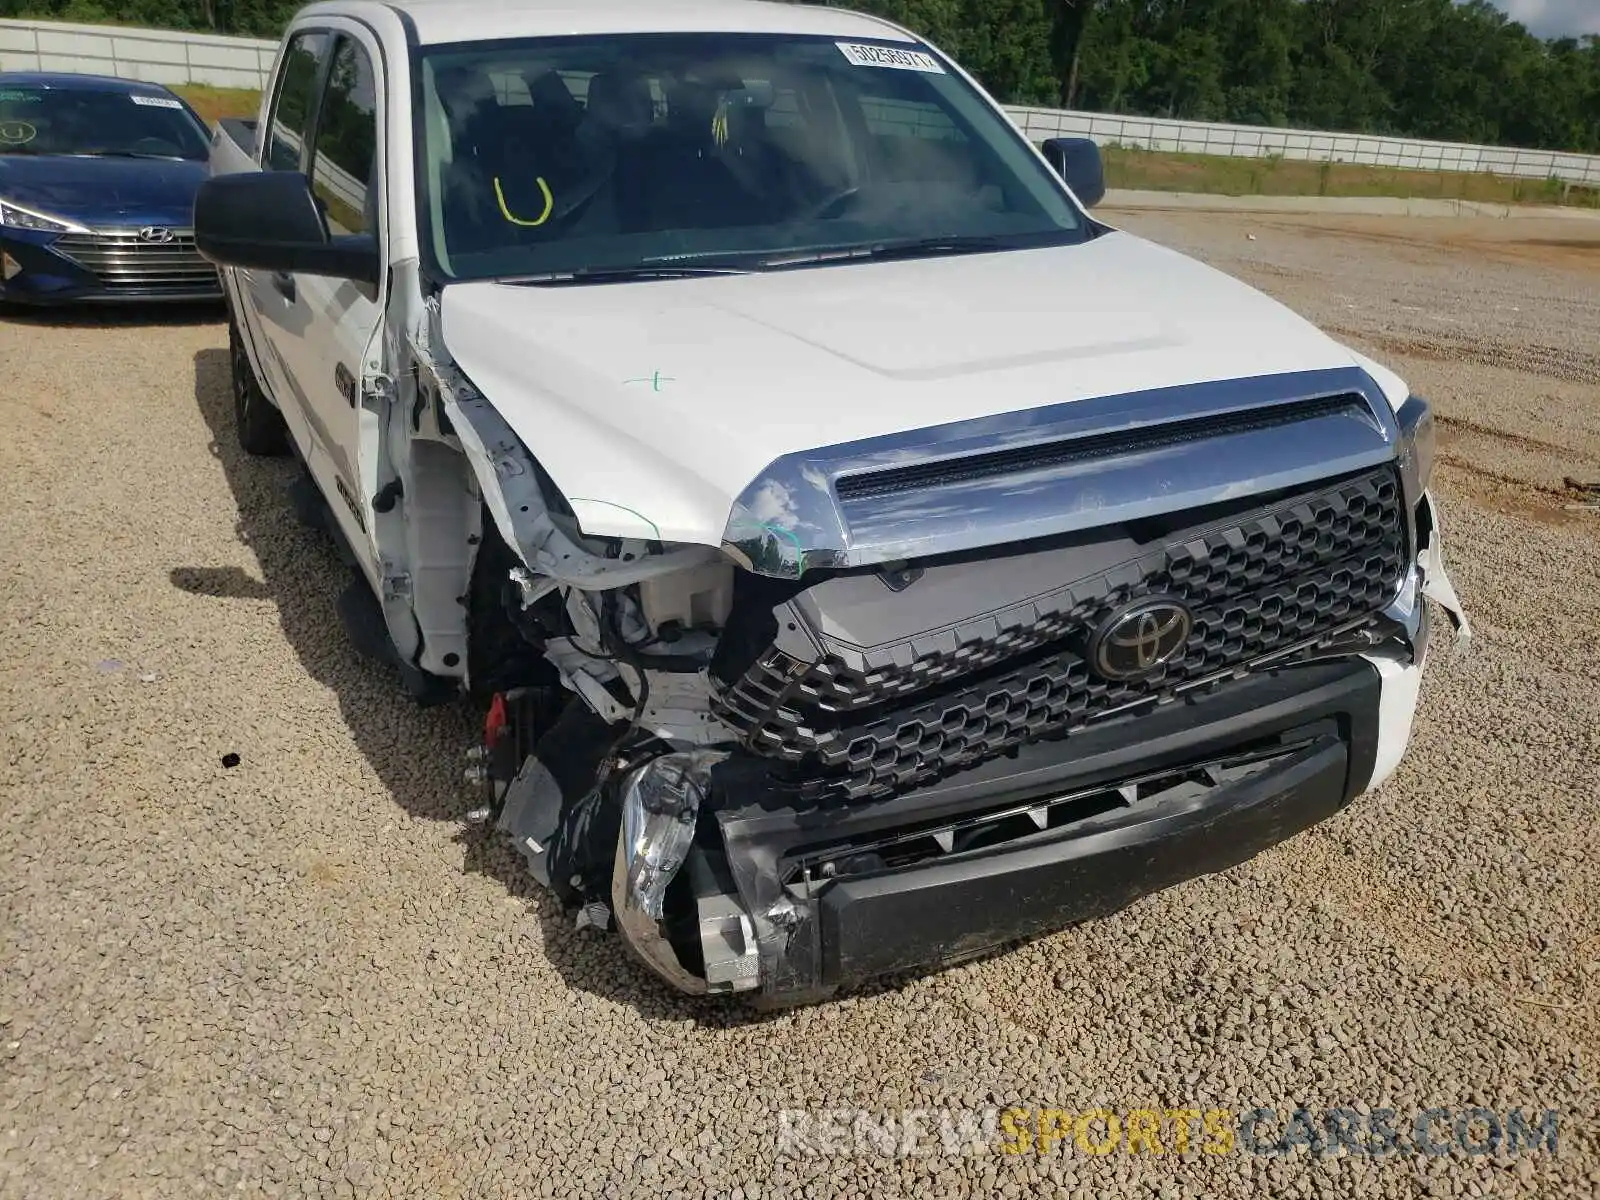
<point>97,185</point>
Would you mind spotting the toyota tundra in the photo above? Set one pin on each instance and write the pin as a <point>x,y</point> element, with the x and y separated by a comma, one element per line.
<point>862,555</point>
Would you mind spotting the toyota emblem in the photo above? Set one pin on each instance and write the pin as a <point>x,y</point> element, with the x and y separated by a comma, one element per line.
<point>154,233</point>
<point>1139,639</point>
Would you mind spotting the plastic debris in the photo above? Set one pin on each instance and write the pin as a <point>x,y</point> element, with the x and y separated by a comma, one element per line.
<point>1590,493</point>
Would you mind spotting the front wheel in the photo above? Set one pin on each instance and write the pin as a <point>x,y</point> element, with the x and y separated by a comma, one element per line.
<point>260,426</point>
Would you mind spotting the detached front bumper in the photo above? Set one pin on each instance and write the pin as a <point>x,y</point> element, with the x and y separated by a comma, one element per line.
<point>949,909</point>
<point>798,904</point>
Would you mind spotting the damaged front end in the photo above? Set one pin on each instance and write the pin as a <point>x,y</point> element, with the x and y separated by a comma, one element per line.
<point>661,805</point>
<point>1003,680</point>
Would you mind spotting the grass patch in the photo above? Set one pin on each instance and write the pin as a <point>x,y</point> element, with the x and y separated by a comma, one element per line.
<point>214,103</point>
<point>1159,171</point>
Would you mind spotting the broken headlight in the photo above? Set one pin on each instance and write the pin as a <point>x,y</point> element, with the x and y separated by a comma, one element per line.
<point>660,805</point>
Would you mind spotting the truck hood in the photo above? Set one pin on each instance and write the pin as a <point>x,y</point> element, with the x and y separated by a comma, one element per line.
<point>103,191</point>
<point>653,404</point>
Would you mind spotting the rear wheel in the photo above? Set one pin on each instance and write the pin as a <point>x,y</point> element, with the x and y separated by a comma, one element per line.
<point>260,425</point>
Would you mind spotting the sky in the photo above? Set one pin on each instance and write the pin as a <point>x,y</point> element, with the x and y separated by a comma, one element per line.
<point>1554,18</point>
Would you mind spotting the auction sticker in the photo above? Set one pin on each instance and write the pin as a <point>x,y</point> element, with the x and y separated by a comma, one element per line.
<point>155,102</point>
<point>863,55</point>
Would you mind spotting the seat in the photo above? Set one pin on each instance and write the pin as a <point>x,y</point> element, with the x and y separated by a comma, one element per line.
<point>619,104</point>
<point>688,178</point>
<point>558,159</point>
<point>619,114</point>
<point>516,170</point>
<point>468,214</point>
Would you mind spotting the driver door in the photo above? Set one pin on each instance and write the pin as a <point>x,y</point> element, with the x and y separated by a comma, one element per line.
<point>283,145</point>
<point>322,328</point>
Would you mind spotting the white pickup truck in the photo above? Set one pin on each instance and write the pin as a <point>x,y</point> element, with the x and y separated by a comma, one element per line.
<point>864,556</point>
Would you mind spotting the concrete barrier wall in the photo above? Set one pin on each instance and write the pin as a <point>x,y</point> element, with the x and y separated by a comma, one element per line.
<point>1249,141</point>
<point>163,56</point>
<point>155,55</point>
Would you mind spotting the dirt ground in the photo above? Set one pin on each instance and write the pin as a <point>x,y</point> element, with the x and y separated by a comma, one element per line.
<point>304,975</point>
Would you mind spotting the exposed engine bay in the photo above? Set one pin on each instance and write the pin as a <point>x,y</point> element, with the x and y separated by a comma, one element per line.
<point>706,756</point>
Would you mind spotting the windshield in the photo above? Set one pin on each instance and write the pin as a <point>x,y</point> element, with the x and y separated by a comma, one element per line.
<point>45,120</point>
<point>610,153</point>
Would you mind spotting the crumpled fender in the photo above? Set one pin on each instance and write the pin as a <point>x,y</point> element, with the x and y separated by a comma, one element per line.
<point>1436,585</point>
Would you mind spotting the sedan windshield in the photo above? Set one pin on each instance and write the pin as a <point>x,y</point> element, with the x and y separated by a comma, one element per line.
<point>600,156</point>
<point>80,121</point>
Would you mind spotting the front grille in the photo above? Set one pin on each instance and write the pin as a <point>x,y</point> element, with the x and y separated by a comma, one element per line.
<point>1275,583</point>
<point>123,261</point>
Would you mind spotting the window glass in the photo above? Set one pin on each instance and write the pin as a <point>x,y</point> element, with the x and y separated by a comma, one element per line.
<point>95,121</point>
<point>343,169</point>
<point>785,111</point>
<point>916,140</point>
<point>887,116</point>
<point>291,111</point>
<point>619,151</point>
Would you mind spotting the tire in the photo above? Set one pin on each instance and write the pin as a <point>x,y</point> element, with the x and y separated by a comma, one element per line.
<point>260,425</point>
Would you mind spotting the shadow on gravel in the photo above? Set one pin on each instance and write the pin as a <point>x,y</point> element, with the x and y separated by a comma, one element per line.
<point>108,316</point>
<point>418,753</point>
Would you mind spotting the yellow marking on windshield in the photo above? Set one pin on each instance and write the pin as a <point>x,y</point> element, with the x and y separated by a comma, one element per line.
<point>719,123</point>
<point>549,204</point>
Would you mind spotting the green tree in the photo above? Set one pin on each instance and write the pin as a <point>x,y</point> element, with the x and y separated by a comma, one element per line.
<point>1450,69</point>
<point>1004,43</point>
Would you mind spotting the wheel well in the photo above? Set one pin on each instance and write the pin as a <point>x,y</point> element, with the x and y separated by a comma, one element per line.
<point>504,643</point>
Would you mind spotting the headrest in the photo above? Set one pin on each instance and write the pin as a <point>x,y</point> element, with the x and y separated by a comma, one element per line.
<point>464,92</point>
<point>553,103</point>
<point>619,101</point>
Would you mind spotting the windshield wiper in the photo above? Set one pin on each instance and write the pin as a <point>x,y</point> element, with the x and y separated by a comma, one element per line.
<point>923,247</point>
<point>618,274</point>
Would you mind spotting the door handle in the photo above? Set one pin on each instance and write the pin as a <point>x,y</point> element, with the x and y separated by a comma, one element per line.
<point>283,284</point>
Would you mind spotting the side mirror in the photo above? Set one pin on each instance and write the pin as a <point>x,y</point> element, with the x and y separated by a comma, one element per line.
<point>1077,160</point>
<point>270,221</point>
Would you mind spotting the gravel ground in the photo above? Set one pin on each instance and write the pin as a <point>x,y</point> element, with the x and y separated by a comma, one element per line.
<point>304,976</point>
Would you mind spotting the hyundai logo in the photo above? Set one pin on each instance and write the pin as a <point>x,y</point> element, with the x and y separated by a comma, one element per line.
<point>154,233</point>
<point>1140,639</point>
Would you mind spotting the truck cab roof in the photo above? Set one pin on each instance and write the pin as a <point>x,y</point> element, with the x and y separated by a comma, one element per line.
<point>438,21</point>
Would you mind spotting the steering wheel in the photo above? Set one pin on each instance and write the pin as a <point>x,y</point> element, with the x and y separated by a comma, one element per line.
<point>153,145</point>
<point>832,204</point>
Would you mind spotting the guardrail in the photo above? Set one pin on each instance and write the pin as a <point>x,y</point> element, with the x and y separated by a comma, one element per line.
<point>164,56</point>
<point>1251,141</point>
<point>154,55</point>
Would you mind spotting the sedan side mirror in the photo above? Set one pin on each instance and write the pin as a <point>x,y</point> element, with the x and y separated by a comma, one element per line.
<point>270,221</point>
<point>1077,160</point>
